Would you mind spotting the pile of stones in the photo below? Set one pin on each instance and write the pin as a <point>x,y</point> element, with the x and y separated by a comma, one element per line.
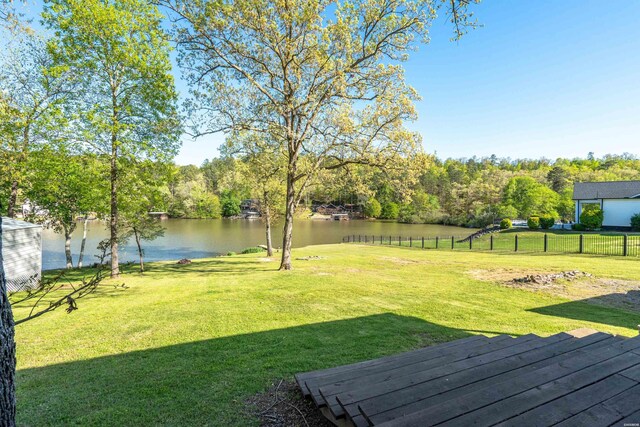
<point>546,279</point>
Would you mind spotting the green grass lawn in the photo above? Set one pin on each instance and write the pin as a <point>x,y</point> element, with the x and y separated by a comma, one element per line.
<point>188,344</point>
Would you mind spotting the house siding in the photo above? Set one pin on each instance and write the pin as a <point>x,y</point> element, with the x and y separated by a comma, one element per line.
<point>22,256</point>
<point>618,212</point>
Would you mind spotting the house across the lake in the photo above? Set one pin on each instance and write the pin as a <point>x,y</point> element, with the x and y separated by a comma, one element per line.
<point>619,201</point>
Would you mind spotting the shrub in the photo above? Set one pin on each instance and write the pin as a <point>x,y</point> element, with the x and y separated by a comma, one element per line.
<point>592,218</point>
<point>635,222</point>
<point>230,204</point>
<point>577,227</point>
<point>231,253</point>
<point>252,250</point>
<point>505,224</point>
<point>533,222</point>
<point>372,209</point>
<point>547,221</point>
<point>390,211</point>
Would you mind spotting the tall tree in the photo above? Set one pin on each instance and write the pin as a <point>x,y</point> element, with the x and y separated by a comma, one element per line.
<point>34,93</point>
<point>7,352</point>
<point>319,78</point>
<point>120,54</point>
<point>263,165</point>
<point>63,186</point>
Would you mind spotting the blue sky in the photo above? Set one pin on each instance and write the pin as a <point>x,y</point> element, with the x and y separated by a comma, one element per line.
<point>541,78</point>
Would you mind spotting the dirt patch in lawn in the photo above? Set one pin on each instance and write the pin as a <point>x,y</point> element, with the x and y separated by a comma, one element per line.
<point>401,261</point>
<point>574,285</point>
<point>283,405</point>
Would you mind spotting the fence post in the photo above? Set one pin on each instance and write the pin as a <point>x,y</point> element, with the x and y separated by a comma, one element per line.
<point>359,238</point>
<point>452,242</point>
<point>423,242</point>
<point>366,238</point>
<point>581,243</point>
<point>491,242</point>
<point>470,242</point>
<point>516,243</point>
<point>546,242</point>
<point>625,247</point>
<point>399,240</point>
<point>437,241</point>
<point>390,240</point>
<point>381,239</point>
<point>410,242</point>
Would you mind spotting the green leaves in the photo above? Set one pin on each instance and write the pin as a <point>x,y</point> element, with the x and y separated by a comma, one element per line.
<point>120,57</point>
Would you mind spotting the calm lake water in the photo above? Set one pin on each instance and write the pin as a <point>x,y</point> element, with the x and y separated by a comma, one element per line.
<point>200,238</point>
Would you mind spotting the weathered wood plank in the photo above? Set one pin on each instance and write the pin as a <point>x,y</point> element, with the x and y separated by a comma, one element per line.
<point>632,373</point>
<point>519,403</point>
<point>473,402</point>
<point>401,377</point>
<point>415,398</point>
<point>393,390</point>
<point>304,376</point>
<point>405,374</point>
<point>630,420</point>
<point>314,384</point>
<point>573,403</point>
<point>608,412</point>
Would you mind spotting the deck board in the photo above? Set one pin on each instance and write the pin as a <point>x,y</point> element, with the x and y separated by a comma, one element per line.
<point>392,391</point>
<point>608,412</point>
<point>411,399</point>
<point>344,393</point>
<point>435,356</point>
<point>570,379</point>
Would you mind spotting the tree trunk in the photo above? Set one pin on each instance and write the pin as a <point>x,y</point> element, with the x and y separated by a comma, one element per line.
<point>115,268</point>
<point>84,241</point>
<point>67,246</point>
<point>13,198</point>
<point>267,218</point>
<point>140,252</point>
<point>7,353</point>
<point>287,231</point>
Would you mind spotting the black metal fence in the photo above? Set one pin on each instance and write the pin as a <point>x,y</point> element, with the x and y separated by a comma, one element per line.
<point>596,244</point>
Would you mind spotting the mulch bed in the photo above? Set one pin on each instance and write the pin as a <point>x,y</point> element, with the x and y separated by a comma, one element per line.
<point>283,405</point>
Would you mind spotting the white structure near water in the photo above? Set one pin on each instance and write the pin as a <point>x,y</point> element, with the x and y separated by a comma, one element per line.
<point>21,253</point>
<point>619,201</point>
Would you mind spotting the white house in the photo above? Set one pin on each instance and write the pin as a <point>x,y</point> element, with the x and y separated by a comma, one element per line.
<point>619,200</point>
<point>21,253</point>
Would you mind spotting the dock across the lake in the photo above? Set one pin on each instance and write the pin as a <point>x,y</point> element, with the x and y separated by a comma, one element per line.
<point>579,378</point>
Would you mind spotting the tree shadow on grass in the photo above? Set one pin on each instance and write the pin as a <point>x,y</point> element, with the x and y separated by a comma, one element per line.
<point>612,309</point>
<point>206,382</point>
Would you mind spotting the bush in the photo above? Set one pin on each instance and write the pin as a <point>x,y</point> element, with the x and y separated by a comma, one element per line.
<point>252,250</point>
<point>372,209</point>
<point>533,222</point>
<point>635,222</point>
<point>505,224</point>
<point>547,221</point>
<point>390,211</point>
<point>231,253</point>
<point>592,218</point>
<point>577,227</point>
<point>230,204</point>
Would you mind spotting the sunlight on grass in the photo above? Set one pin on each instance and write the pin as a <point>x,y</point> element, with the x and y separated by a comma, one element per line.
<point>187,344</point>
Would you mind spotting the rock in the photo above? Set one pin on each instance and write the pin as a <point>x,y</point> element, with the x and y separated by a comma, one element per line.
<point>184,261</point>
<point>547,279</point>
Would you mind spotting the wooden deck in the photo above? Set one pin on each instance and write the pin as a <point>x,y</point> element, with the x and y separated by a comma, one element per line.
<point>569,379</point>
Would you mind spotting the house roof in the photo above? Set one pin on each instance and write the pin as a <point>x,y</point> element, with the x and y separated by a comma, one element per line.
<point>606,190</point>
<point>16,224</point>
